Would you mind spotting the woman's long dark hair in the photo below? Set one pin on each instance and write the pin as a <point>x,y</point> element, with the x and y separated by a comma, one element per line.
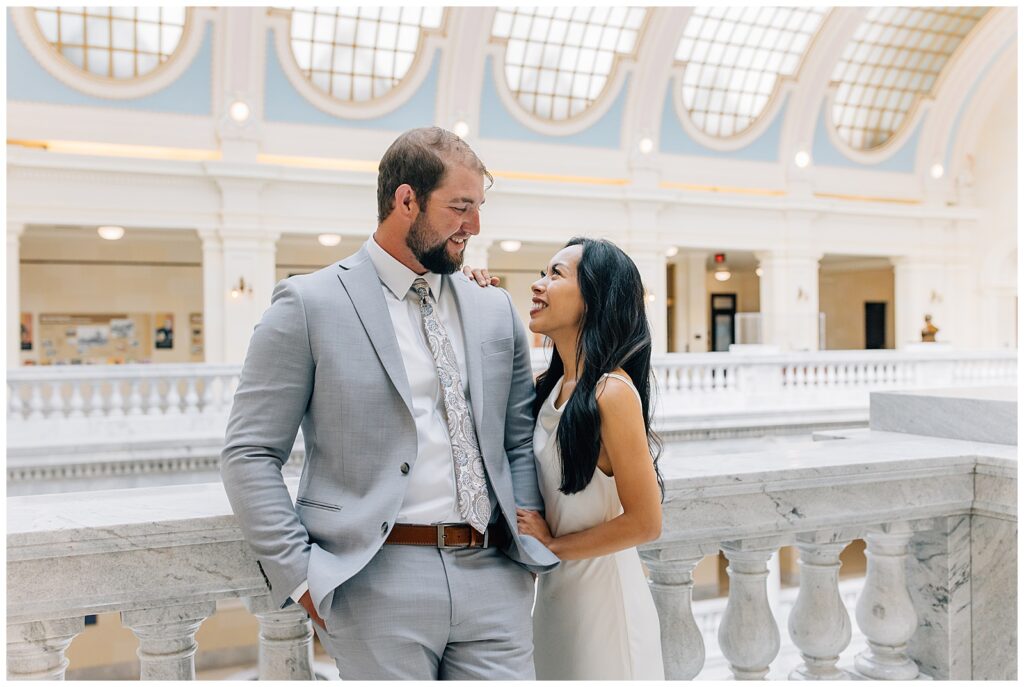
<point>614,333</point>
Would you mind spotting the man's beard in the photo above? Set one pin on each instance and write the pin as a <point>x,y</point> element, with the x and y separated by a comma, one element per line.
<point>435,258</point>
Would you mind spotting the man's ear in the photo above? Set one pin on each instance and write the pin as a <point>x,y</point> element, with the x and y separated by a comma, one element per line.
<point>405,199</point>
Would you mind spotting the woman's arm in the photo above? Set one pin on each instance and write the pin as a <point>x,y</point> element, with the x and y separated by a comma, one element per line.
<point>625,442</point>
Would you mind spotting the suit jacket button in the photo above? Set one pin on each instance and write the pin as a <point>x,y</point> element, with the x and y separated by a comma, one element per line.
<point>383,528</point>
<point>405,468</point>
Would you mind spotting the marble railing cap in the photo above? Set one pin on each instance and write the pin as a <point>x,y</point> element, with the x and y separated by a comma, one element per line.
<point>121,519</point>
<point>863,451</point>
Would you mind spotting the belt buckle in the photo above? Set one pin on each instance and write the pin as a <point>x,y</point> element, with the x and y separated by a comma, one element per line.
<point>441,538</point>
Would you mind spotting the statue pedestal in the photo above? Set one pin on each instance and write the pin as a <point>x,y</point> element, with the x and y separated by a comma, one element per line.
<point>918,346</point>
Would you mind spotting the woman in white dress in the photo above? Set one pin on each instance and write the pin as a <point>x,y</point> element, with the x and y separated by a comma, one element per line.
<point>594,617</point>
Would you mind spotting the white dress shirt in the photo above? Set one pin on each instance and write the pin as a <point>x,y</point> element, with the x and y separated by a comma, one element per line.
<point>430,496</point>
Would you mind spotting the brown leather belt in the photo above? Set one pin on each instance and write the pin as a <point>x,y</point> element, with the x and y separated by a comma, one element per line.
<point>448,536</point>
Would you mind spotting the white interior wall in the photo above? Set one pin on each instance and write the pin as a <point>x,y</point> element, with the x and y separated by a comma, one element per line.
<point>995,264</point>
<point>841,296</point>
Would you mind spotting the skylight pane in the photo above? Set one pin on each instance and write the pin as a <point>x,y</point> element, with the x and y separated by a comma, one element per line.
<point>900,52</point>
<point>581,43</point>
<point>743,51</point>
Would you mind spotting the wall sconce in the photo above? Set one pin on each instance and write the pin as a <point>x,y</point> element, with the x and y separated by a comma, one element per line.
<point>801,295</point>
<point>241,288</point>
<point>936,296</point>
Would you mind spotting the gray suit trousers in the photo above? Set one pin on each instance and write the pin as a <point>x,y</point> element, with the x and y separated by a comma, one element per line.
<point>423,613</point>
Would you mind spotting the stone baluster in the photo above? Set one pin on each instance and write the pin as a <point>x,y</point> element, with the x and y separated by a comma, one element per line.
<point>15,406</point>
<point>35,402</point>
<point>191,397</point>
<point>686,378</point>
<point>173,397</point>
<point>76,403</point>
<point>667,379</point>
<point>682,646</point>
<point>286,640</point>
<point>96,408</point>
<point>748,635</point>
<point>35,650</point>
<point>134,397</point>
<point>154,402</point>
<point>207,402</point>
<point>167,639</point>
<point>885,611</point>
<point>819,624</point>
<point>55,402</point>
<point>787,376</point>
<point>116,399</point>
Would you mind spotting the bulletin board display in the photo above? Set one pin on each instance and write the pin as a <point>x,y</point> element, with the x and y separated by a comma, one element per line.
<point>94,338</point>
<point>195,324</point>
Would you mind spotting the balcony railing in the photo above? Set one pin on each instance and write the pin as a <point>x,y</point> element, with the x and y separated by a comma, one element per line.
<point>938,516</point>
<point>168,396</point>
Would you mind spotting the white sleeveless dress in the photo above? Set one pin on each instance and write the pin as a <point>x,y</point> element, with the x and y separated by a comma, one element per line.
<point>594,619</point>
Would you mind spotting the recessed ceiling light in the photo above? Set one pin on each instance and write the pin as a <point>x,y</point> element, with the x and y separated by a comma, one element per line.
<point>671,251</point>
<point>511,246</point>
<point>329,240</point>
<point>461,129</point>
<point>802,159</point>
<point>937,171</point>
<point>646,145</point>
<point>110,233</point>
<point>759,271</point>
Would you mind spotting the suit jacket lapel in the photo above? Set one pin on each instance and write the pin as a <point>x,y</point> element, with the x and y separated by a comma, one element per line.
<point>363,286</point>
<point>465,296</point>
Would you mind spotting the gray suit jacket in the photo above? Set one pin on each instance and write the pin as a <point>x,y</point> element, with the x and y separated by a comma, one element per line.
<point>325,356</point>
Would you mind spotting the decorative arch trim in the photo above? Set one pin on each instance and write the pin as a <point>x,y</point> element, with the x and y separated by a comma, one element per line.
<point>431,40</point>
<point>114,89</point>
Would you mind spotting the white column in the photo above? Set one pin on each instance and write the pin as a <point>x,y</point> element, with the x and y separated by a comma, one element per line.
<point>696,300</point>
<point>248,256</point>
<point>214,296</point>
<point>35,650</point>
<point>920,289</point>
<point>649,256</point>
<point>789,298</point>
<point>286,640</point>
<point>682,646</point>
<point>476,253</point>
<point>167,639</point>
<point>14,232</point>
<point>748,635</point>
<point>885,611</point>
<point>819,624</point>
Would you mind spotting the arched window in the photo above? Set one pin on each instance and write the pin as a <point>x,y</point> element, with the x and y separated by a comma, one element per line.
<point>559,60</point>
<point>358,54</point>
<point>734,59</point>
<point>894,58</point>
<point>113,42</point>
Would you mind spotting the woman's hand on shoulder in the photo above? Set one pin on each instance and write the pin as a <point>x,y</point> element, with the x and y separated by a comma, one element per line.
<point>481,276</point>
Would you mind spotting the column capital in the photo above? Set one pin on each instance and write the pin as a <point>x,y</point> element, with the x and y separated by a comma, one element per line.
<point>790,255</point>
<point>244,233</point>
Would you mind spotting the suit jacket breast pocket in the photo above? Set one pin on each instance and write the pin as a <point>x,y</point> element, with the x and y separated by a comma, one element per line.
<point>495,346</point>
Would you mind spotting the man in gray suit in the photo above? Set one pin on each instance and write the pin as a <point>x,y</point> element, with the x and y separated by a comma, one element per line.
<point>413,388</point>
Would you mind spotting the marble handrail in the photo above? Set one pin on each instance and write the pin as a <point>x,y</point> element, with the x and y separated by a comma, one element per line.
<point>164,556</point>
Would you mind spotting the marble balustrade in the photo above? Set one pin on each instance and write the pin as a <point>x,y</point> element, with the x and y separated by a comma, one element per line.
<point>53,406</point>
<point>937,515</point>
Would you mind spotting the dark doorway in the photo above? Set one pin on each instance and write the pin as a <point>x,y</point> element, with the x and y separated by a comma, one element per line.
<point>723,321</point>
<point>874,325</point>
